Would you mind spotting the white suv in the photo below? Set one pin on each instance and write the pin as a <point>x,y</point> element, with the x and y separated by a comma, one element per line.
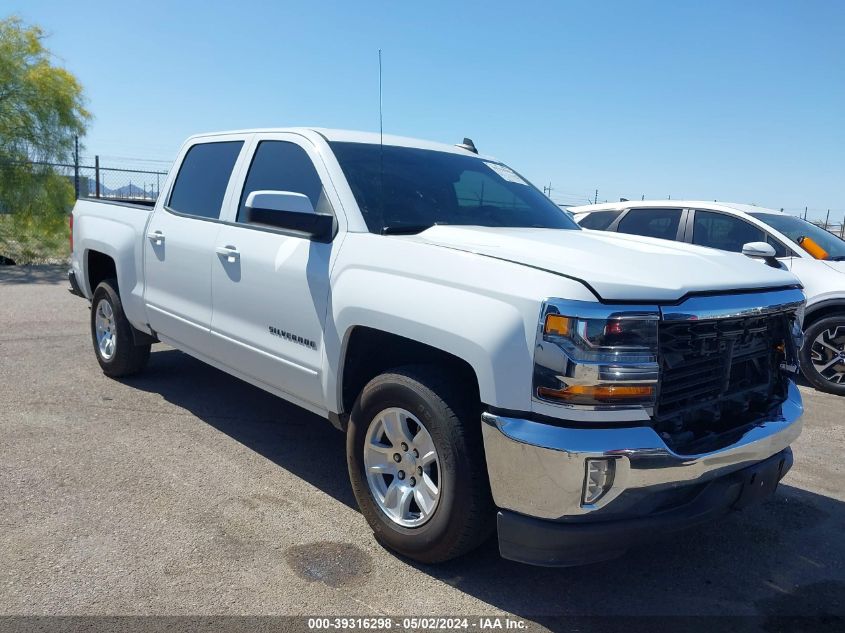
<point>729,226</point>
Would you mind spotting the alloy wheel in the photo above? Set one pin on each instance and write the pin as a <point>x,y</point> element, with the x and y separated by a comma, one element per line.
<point>402,467</point>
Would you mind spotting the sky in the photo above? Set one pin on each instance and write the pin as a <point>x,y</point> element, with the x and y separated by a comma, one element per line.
<point>716,100</point>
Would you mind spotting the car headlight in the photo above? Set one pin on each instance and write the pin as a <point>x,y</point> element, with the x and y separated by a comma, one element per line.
<point>595,355</point>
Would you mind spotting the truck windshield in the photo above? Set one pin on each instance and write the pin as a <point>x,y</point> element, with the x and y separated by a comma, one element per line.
<point>796,228</point>
<point>407,190</point>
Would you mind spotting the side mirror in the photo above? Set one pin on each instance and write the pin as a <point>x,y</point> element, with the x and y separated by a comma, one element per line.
<point>761,250</point>
<point>290,211</point>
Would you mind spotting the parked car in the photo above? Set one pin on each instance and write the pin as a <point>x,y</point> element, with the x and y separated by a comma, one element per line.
<point>815,255</point>
<point>492,364</point>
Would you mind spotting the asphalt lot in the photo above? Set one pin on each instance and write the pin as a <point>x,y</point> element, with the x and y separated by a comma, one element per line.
<point>186,491</point>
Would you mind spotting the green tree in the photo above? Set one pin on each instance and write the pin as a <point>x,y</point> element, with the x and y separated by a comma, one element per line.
<point>41,112</point>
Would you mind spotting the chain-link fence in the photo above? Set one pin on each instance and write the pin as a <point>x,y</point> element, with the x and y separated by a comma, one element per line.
<point>98,181</point>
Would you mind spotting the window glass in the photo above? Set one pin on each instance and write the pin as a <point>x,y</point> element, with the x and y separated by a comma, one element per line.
<point>796,228</point>
<point>407,189</point>
<point>725,232</point>
<point>599,220</point>
<point>203,178</point>
<point>662,223</point>
<point>780,249</point>
<point>283,166</point>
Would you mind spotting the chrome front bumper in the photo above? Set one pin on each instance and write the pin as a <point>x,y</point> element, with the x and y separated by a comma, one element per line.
<point>539,469</point>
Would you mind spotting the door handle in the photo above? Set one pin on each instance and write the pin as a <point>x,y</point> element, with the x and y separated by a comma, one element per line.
<point>229,252</point>
<point>157,237</point>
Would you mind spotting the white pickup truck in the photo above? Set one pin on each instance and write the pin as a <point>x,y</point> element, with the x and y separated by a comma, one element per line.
<point>491,363</point>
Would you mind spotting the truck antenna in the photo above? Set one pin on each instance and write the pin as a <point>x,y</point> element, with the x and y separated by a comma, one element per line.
<point>380,117</point>
<point>381,145</point>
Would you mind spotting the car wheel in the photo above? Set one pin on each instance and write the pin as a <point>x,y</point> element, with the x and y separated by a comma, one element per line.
<point>823,354</point>
<point>417,466</point>
<point>111,334</point>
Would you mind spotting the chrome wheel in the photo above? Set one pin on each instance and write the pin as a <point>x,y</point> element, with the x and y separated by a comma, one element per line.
<point>828,354</point>
<point>402,466</point>
<point>106,329</point>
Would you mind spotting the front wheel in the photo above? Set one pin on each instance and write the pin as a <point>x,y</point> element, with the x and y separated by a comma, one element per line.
<point>417,466</point>
<point>823,354</point>
<point>111,334</point>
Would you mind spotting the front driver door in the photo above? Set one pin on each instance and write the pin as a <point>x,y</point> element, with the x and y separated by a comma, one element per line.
<point>271,288</point>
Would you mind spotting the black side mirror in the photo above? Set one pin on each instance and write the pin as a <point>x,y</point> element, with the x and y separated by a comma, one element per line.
<point>289,211</point>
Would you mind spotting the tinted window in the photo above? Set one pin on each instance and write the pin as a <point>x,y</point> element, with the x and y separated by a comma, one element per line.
<point>281,166</point>
<point>662,223</point>
<point>796,228</point>
<point>725,232</point>
<point>599,220</point>
<point>410,189</point>
<point>203,178</point>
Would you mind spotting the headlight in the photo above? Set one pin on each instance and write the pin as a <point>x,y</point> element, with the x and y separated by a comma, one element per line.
<point>596,355</point>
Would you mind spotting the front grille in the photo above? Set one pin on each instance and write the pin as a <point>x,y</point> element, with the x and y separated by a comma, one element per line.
<point>717,375</point>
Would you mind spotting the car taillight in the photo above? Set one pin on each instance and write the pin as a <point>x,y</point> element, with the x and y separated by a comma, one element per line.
<point>70,223</point>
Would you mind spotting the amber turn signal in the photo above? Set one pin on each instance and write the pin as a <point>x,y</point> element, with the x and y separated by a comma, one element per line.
<point>557,325</point>
<point>601,392</point>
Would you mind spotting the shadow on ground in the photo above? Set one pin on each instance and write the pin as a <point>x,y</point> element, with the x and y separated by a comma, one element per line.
<point>33,274</point>
<point>783,558</point>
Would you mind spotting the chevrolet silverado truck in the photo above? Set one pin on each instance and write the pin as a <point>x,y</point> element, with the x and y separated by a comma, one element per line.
<point>492,365</point>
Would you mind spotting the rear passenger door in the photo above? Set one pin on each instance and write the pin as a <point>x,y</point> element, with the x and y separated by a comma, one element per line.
<point>271,286</point>
<point>179,245</point>
<point>663,223</point>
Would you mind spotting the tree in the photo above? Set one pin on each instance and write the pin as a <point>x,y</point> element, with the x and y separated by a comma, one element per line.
<point>41,113</point>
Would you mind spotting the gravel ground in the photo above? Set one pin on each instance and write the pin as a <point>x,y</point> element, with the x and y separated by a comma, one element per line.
<point>186,491</point>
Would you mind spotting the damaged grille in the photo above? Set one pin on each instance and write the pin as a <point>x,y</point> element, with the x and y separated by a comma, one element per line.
<point>718,375</point>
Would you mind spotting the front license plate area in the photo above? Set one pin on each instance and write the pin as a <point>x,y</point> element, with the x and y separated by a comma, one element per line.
<point>761,480</point>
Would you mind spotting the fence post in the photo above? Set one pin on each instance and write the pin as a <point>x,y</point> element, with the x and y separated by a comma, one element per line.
<point>76,166</point>
<point>827,219</point>
<point>97,174</point>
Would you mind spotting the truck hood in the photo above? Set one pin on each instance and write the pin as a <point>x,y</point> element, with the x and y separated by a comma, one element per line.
<point>616,267</point>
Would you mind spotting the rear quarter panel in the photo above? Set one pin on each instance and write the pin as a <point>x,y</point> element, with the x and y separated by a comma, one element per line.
<point>116,230</point>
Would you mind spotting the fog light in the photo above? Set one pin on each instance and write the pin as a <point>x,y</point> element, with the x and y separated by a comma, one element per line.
<point>598,479</point>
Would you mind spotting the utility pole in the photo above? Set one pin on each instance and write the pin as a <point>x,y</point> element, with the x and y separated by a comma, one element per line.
<point>76,166</point>
<point>805,214</point>
<point>596,199</point>
<point>827,219</point>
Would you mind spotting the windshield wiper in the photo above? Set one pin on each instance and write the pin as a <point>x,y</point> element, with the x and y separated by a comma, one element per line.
<point>838,258</point>
<point>405,229</point>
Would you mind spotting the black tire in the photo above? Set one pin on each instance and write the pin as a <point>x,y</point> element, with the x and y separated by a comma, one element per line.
<point>817,329</point>
<point>464,516</point>
<point>127,358</point>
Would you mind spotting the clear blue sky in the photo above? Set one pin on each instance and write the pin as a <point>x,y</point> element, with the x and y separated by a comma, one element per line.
<point>724,100</point>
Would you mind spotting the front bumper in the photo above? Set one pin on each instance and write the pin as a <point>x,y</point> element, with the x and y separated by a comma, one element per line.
<point>552,543</point>
<point>539,469</point>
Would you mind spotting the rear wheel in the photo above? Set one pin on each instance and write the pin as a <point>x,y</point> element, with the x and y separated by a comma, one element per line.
<point>417,466</point>
<point>111,334</point>
<point>823,354</point>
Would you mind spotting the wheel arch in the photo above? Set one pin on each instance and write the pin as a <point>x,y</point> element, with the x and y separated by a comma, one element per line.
<point>822,310</point>
<point>368,352</point>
